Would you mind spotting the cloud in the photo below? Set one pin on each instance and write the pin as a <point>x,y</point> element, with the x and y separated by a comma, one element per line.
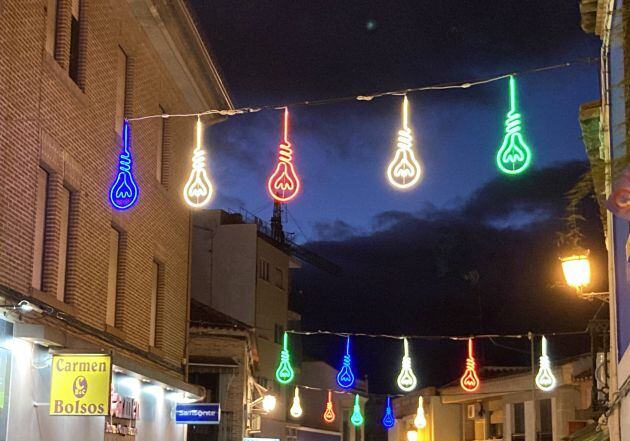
<point>335,230</point>
<point>411,275</point>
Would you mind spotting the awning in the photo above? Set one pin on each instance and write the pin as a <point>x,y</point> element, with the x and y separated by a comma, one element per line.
<point>589,433</point>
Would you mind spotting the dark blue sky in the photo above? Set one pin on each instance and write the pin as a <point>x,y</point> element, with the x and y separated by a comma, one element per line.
<point>282,51</point>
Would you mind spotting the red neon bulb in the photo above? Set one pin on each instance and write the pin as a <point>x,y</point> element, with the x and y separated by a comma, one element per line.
<point>284,183</point>
<point>470,380</point>
<point>329,414</point>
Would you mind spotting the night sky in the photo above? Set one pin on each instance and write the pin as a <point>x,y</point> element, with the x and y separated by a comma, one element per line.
<point>407,256</point>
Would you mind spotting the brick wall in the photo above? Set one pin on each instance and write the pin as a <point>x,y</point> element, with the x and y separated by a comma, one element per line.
<point>47,120</point>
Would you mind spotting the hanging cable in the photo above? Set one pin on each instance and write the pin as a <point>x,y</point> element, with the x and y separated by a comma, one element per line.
<point>370,97</point>
<point>438,337</point>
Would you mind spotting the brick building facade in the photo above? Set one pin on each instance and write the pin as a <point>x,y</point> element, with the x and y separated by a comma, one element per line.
<point>71,71</point>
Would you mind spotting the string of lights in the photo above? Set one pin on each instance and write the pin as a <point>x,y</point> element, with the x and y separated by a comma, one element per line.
<point>369,97</point>
<point>526,335</point>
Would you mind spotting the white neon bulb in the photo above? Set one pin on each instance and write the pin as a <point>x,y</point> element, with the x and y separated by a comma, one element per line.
<point>545,380</point>
<point>198,189</point>
<point>404,171</point>
<point>407,381</point>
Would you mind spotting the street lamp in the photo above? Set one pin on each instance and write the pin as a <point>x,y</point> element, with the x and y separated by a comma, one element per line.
<point>268,403</point>
<point>577,273</point>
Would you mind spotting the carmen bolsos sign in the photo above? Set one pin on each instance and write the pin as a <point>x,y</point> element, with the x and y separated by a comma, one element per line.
<point>80,384</point>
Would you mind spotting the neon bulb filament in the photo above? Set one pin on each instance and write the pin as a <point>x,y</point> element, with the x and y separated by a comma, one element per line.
<point>388,418</point>
<point>345,377</point>
<point>356,418</point>
<point>123,193</point>
<point>198,189</point>
<point>470,379</point>
<point>514,155</point>
<point>406,380</point>
<point>420,421</point>
<point>404,170</point>
<point>296,408</point>
<point>285,373</point>
<point>284,183</point>
<point>329,413</point>
<point>545,380</point>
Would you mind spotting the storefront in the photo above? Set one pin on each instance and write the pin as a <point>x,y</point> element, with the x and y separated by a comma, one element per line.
<point>136,404</point>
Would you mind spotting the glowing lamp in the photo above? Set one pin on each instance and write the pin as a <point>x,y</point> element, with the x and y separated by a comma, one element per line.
<point>412,435</point>
<point>388,419</point>
<point>514,155</point>
<point>284,183</point>
<point>285,373</point>
<point>123,194</point>
<point>470,380</point>
<point>198,189</point>
<point>406,380</point>
<point>356,419</point>
<point>420,421</point>
<point>545,380</point>
<point>404,170</point>
<point>329,413</point>
<point>577,270</point>
<point>296,408</point>
<point>345,377</point>
<point>269,403</point>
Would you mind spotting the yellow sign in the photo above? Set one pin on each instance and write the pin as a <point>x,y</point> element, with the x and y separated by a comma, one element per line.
<point>80,384</point>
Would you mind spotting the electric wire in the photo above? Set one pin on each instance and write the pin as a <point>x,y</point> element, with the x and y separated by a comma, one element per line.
<point>371,96</point>
<point>439,337</point>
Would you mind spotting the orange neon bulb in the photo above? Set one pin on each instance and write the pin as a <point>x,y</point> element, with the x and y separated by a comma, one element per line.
<point>329,413</point>
<point>470,380</point>
<point>284,183</point>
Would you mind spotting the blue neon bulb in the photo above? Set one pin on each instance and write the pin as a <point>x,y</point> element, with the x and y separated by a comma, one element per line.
<point>388,419</point>
<point>345,377</point>
<point>123,193</point>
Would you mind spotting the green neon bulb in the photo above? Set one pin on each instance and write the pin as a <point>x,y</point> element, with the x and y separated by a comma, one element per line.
<point>514,156</point>
<point>356,418</point>
<point>284,373</point>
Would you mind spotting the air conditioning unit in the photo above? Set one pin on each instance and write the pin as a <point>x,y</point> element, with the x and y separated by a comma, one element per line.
<point>472,411</point>
<point>254,424</point>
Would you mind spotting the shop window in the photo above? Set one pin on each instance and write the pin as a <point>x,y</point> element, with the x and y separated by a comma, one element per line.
<point>40,224</point>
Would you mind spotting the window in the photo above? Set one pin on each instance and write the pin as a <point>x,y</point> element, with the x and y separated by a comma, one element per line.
<point>75,43</point>
<point>51,26</point>
<point>112,277</point>
<point>40,224</point>
<point>160,159</point>
<point>121,89</point>
<point>546,422</point>
<point>263,269</point>
<point>279,278</point>
<point>156,303</point>
<point>278,334</point>
<point>518,434</point>
<point>64,229</point>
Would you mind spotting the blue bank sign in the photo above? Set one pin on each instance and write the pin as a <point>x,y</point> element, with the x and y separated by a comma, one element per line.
<point>197,413</point>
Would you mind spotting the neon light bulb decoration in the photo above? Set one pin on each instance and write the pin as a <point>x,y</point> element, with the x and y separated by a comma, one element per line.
<point>545,380</point>
<point>329,413</point>
<point>514,155</point>
<point>388,419</point>
<point>284,183</point>
<point>404,171</point>
<point>123,193</point>
<point>345,377</point>
<point>420,421</point>
<point>296,408</point>
<point>407,381</point>
<point>356,418</point>
<point>470,380</point>
<point>198,189</point>
<point>285,373</point>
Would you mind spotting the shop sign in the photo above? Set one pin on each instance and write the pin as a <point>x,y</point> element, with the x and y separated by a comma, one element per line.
<point>80,384</point>
<point>197,413</point>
